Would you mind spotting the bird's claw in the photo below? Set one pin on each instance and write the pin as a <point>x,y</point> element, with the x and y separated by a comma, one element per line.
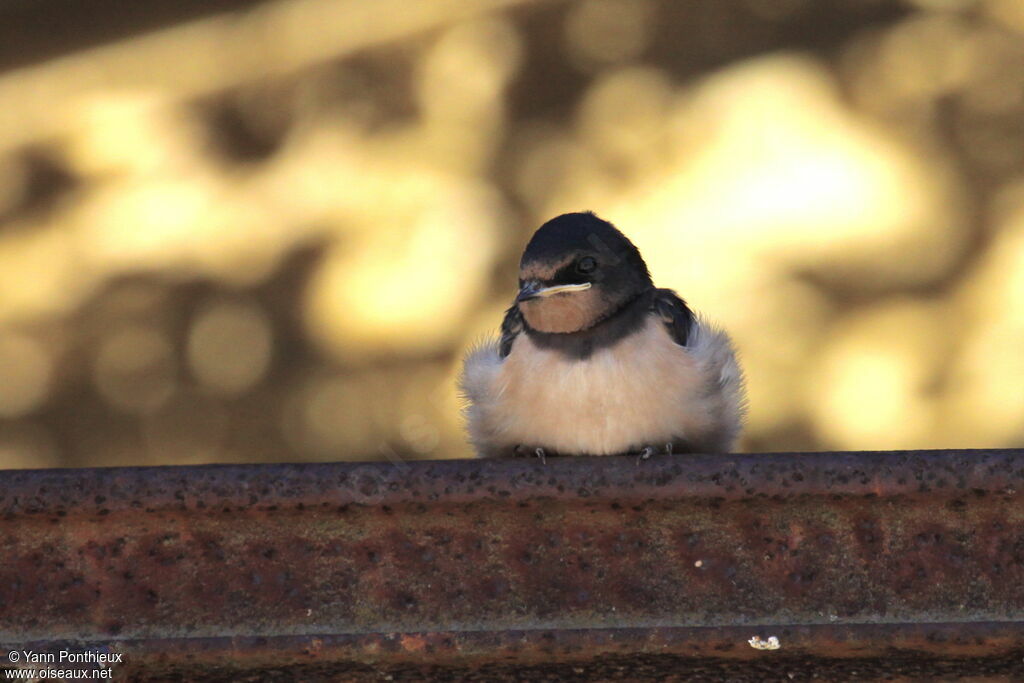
<point>521,451</point>
<point>645,453</point>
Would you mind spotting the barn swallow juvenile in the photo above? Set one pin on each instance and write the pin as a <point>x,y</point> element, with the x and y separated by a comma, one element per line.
<point>593,359</point>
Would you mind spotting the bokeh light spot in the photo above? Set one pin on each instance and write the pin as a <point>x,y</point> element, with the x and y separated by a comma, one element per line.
<point>607,31</point>
<point>229,346</point>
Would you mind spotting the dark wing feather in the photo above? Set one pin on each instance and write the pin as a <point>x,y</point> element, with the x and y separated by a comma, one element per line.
<point>673,311</point>
<point>511,326</point>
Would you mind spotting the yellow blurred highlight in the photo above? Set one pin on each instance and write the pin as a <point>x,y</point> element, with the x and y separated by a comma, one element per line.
<point>1009,12</point>
<point>623,119</point>
<point>875,385</point>
<point>406,287</point>
<point>928,56</point>
<point>137,132</point>
<point>987,407</point>
<point>461,91</point>
<point>760,170</point>
<point>785,171</point>
<point>762,162</point>
<point>210,54</point>
<point>38,274</point>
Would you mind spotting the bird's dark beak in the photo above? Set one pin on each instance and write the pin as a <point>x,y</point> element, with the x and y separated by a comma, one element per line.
<point>532,289</point>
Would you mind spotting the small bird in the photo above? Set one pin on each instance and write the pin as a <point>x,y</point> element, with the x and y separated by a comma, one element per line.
<point>593,359</point>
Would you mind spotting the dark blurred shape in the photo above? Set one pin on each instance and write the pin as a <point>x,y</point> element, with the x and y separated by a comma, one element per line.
<point>42,182</point>
<point>36,30</point>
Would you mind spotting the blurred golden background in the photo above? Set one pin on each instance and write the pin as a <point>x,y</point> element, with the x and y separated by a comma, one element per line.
<point>266,231</point>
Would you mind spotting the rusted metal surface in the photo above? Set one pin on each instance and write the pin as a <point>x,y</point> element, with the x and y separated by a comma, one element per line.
<point>906,563</point>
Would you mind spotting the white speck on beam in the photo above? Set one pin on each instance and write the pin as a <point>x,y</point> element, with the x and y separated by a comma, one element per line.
<point>758,644</point>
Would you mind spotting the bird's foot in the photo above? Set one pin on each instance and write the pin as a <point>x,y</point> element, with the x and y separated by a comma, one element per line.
<point>647,451</point>
<point>522,451</point>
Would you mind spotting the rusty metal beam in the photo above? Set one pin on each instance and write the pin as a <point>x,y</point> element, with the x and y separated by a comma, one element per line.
<point>898,563</point>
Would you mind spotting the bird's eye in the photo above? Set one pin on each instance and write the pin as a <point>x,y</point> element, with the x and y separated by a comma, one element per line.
<point>586,265</point>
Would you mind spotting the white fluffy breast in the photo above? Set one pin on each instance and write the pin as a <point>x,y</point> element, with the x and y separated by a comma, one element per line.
<point>644,390</point>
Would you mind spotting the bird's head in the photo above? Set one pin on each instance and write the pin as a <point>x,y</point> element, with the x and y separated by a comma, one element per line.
<point>577,271</point>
